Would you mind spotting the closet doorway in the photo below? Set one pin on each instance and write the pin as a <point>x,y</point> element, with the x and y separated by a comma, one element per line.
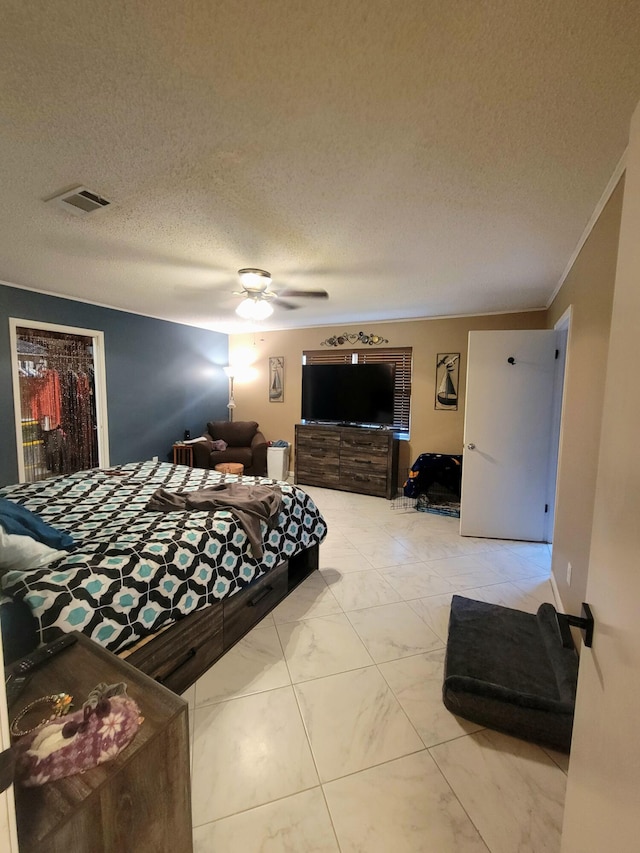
<point>59,391</point>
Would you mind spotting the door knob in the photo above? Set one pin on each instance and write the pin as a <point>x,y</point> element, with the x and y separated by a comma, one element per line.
<point>471,446</point>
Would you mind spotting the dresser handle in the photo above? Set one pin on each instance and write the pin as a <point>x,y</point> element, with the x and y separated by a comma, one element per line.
<point>190,654</point>
<point>258,598</point>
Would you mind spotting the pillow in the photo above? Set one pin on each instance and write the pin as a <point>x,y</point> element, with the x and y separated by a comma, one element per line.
<point>235,433</point>
<point>16,518</point>
<point>22,552</point>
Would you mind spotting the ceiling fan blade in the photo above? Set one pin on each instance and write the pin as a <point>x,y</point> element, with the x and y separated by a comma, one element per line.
<point>289,306</point>
<point>313,294</point>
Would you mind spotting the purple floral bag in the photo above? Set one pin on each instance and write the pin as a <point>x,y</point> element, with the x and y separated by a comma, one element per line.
<point>102,728</point>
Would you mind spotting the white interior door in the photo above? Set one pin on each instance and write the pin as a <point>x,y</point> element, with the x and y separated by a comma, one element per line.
<point>507,434</point>
<point>601,810</point>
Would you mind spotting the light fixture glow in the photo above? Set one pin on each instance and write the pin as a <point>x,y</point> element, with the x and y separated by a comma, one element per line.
<point>254,309</point>
<point>254,279</point>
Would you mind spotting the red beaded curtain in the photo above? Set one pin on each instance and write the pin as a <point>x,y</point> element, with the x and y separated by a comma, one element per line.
<point>57,399</point>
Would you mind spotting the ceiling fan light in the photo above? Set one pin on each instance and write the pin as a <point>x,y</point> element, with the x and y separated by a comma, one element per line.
<point>254,309</point>
<point>254,278</point>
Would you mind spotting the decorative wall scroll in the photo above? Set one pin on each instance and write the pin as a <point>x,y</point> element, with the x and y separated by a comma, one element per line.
<point>447,381</point>
<point>276,379</point>
<point>353,338</point>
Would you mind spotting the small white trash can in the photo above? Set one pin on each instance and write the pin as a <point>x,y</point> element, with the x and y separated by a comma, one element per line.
<point>278,462</point>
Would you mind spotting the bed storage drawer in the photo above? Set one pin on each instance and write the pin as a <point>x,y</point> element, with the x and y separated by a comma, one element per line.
<point>177,658</point>
<point>243,610</point>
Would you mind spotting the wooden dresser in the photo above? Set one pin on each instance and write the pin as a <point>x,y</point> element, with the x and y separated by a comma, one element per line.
<point>139,801</point>
<point>347,458</point>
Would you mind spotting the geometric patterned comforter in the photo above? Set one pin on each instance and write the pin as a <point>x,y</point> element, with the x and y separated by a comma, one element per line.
<point>132,572</point>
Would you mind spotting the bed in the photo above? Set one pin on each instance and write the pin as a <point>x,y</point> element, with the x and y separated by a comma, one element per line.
<point>172,591</point>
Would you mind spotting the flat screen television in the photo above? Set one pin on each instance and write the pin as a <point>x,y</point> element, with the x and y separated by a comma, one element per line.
<point>360,394</point>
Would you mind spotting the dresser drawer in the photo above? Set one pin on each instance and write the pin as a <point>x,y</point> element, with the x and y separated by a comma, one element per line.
<point>361,460</point>
<point>246,608</point>
<point>315,457</point>
<point>354,479</point>
<point>370,442</point>
<point>177,660</point>
<point>318,439</point>
<point>317,471</point>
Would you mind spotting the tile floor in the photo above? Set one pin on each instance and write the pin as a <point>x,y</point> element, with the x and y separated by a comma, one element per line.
<point>324,730</point>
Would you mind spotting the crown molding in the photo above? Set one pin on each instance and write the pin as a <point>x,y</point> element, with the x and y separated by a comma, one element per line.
<point>604,198</point>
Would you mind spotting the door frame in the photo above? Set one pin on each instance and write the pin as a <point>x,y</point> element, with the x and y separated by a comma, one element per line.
<point>100,382</point>
<point>558,404</point>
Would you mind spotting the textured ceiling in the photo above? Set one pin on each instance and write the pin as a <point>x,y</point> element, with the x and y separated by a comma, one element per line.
<point>413,157</point>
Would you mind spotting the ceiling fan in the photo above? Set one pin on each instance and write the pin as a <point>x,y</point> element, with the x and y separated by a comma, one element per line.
<point>258,298</point>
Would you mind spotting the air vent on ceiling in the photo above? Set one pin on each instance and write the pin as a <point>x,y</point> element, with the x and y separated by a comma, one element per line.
<point>81,201</point>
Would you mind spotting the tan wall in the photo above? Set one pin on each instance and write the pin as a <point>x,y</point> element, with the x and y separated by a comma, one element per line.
<point>431,431</point>
<point>589,290</point>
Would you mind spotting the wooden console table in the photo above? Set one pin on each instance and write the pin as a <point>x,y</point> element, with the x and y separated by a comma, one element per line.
<point>140,800</point>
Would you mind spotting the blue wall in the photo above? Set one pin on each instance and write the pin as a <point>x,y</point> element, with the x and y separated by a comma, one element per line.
<point>162,378</point>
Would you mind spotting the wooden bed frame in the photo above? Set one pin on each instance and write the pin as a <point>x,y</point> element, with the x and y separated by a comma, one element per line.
<point>179,654</point>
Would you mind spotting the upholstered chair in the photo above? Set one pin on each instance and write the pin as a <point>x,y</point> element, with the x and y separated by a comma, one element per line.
<point>245,444</point>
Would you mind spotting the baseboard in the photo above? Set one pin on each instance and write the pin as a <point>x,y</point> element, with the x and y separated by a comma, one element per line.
<point>556,593</point>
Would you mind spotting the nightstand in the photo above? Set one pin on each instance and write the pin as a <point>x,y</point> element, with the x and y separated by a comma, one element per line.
<point>141,799</point>
<point>183,454</point>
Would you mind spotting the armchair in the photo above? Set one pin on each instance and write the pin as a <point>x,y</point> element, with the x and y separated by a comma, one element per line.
<point>245,444</point>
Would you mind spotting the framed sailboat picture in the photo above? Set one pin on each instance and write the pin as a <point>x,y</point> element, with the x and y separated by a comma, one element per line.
<point>276,379</point>
<point>447,381</point>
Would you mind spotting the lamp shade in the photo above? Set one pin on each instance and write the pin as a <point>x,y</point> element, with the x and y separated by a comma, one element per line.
<point>254,279</point>
<point>254,309</point>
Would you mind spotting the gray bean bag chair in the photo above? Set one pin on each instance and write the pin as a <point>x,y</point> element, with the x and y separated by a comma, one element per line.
<point>509,670</point>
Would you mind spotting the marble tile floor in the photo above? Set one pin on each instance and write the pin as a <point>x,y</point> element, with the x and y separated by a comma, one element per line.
<point>323,730</point>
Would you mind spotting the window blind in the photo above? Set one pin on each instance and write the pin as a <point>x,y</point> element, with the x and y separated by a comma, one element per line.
<point>400,356</point>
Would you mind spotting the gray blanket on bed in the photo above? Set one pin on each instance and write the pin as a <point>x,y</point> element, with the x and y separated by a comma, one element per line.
<point>251,504</point>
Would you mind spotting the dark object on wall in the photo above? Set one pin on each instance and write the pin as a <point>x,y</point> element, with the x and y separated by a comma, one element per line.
<point>245,444</point>
<point>585,623</point>
<point>19,630</point>
<point>447,381</point>
<point>510,671</point>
